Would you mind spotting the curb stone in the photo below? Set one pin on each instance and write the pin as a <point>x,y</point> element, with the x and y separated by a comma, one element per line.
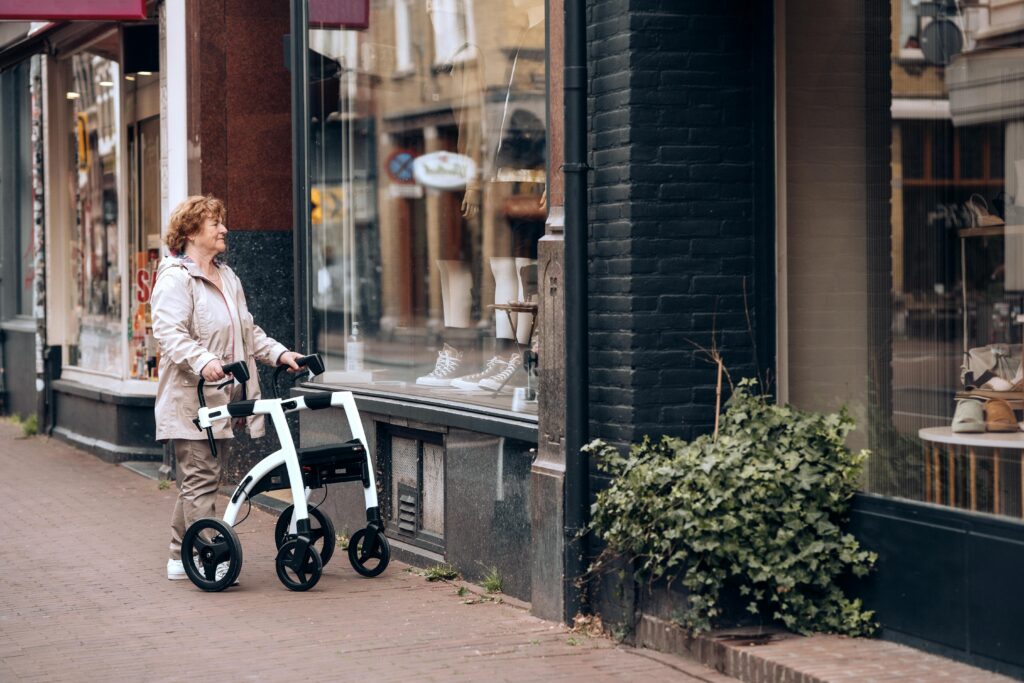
<point>775,656</point>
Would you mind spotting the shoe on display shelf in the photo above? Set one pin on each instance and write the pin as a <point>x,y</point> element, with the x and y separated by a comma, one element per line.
<point>999,416</point>
<point>446,368</point>
<point>472,382</point>
<point>501,379</point>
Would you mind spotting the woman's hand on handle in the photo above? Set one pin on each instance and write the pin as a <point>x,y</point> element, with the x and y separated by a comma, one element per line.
<point>288,358</point>
<point>213,371</point>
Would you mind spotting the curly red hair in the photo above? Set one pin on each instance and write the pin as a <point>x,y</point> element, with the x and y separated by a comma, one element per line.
<point>188,217</point>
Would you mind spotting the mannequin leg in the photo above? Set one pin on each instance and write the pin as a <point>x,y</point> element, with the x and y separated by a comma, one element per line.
<point>506,289</point>
<point>456,293</point>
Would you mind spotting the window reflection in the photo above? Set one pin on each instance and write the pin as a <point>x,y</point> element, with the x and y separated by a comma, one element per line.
<point>427,174</point>
<point>97,297</point>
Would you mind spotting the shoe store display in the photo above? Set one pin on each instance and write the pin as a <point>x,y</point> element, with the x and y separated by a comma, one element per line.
<point>445,370</point>
<point>969,417</point>
<point>999,416</point>
<point>980,214</point>
<point>472,382</point>
<point>501,379</point>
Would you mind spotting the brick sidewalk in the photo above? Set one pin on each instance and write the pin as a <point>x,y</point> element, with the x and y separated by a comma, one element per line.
<point>84,597</point>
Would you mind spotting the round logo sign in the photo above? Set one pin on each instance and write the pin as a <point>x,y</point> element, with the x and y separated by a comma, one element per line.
<point>444,170</point>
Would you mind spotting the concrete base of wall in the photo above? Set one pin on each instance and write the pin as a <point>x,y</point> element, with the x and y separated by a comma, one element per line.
<point>547,591</point>
<point>114,428</point>
<point>105,450</point>
<point>20,395</point>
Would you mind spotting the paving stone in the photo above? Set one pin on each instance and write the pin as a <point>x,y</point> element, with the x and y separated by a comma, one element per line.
<point>84,597</point>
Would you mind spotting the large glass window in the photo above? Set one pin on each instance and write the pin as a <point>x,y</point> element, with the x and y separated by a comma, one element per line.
<point>95,92</point>
<point>113,183</point>
<point>427,174</point>
<point>901,209</point>
<point>143,237</point>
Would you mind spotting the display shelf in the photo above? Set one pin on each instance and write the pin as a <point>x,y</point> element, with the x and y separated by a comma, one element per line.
<point>943,441</point>
<point>992,231</point>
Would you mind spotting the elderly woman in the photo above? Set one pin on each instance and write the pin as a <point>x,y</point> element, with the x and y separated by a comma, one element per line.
<point>202,323</point>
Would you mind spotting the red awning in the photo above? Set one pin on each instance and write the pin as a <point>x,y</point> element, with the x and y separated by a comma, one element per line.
<point>103,10</point>
<point>352,14</point>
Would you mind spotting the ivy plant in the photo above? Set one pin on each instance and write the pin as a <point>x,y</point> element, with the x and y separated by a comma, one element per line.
<point>757,509</point>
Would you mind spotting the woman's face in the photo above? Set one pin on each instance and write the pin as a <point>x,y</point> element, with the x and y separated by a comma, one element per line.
<point>211,237</point>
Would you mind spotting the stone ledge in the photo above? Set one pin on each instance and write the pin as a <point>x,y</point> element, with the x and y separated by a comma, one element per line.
<point>773,656</point>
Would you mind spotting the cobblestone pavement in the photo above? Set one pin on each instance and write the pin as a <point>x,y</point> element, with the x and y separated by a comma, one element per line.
<point>84,597</point>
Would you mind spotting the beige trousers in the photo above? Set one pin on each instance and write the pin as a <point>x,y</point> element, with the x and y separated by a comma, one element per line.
<point>200,475</point>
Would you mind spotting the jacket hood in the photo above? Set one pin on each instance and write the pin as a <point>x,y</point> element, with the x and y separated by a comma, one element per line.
<point>191,266</point>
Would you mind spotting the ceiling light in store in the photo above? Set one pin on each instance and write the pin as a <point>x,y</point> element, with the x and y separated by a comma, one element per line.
<point>129,78</point>
<point>145,73</point>
<point>106,84</point>
<point>71,95</point>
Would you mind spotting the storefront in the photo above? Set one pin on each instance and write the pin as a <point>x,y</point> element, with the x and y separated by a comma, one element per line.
<point>425,133</point>
<point>898,203</point>
<point>103,235</point>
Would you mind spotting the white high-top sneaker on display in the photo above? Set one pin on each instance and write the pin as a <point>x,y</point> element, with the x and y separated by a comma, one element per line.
<point>502,379</point>
<point>446,368</point>
<point>494,366</point>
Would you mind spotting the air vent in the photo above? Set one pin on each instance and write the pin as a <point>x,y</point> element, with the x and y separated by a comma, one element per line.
<point>407,512</point>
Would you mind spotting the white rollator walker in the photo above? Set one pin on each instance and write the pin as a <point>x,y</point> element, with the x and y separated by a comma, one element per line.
<point>303,549</point>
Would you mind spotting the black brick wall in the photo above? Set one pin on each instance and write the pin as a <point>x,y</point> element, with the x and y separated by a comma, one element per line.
<point>674,199</point>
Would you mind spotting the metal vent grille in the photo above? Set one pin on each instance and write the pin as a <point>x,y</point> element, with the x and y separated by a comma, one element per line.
<point>407,512</point>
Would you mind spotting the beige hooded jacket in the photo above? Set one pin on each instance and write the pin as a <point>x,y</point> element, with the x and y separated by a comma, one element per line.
<point>193,325</point>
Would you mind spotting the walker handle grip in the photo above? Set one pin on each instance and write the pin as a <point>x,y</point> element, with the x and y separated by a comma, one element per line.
<point>313,362</point>
<point>239,370</point>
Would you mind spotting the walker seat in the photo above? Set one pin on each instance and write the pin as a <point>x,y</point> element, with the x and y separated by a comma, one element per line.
<point>321,465</point>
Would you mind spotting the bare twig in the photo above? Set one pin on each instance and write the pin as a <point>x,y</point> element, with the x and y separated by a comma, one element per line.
<point>713,356</point>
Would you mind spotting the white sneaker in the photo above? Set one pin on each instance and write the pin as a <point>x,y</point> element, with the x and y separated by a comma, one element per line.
<point>222,569</point>
<point>176,570</point>
<point>445,369</point>
<point>500,380</point>
<point>494,366</point>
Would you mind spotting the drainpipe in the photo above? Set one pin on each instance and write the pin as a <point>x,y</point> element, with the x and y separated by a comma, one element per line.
<point>577,464</point>
<point>299,63</point>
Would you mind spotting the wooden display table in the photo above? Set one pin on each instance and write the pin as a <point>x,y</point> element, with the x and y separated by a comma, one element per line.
<point>939,439</point>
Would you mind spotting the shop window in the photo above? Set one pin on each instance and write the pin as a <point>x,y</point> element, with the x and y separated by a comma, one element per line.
<point>95,93</point>
<point>113,182</point>
<point>904,255</point>
<point>144,245</point>
<point>427,201</point>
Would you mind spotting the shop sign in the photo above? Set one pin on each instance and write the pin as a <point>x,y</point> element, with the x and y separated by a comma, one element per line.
<point>443,170</point>
<point>72,9</point>
<point>352,14</point>
<point>143,283</point>
<point>399,191</point>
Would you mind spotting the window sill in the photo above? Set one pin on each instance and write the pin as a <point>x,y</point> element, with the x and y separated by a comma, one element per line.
<point>447,413</point>
<point>105,387</point>
<point>20,323</point>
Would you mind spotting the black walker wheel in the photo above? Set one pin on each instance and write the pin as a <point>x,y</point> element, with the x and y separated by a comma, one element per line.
<point>298,573</point>
<point>369,552</point>
<point>208,544</point>
<point>322,536</point>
